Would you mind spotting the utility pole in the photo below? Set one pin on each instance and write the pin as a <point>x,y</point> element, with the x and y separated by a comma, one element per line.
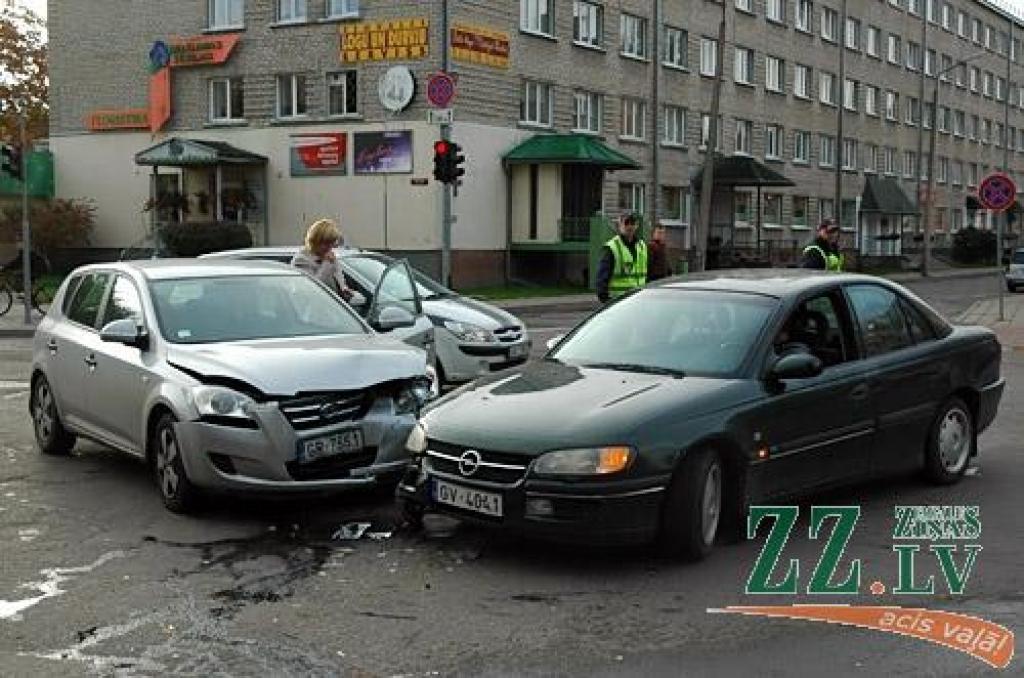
<point>920,133</point>
<point>841,87</point>
<point>1006,168</point>
<point>26,232</point>
<point>926,253</point>
<point>708,179</point>
<point>446,198</point>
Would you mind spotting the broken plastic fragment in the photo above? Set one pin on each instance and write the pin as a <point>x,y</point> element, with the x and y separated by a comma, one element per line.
<point>379,536</point>
<point>351,531</point>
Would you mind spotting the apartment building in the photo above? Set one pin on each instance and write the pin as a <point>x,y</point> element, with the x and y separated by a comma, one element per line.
<point>275,112</point>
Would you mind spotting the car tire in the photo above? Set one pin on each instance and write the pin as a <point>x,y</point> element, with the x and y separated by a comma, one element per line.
<point>51,436</point>
<point>951,443</point>
<point>178,492</point>
<point>692,510</point>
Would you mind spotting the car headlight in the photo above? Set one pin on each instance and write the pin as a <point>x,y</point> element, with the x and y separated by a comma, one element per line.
<point>594,461</point>
<point>468,332</point>
<point>417,440</point>
<point>216,401</point>
<point>414,395</point>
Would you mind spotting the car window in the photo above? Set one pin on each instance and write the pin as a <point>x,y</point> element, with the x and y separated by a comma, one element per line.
<point>881,322</point>
<point>396,289</point>
<point>123,302</point>
<point>85,306</point>
<point>1018,257</point>
<point>372,268</point>
<point>815,326</point>
<point>69,295</point>
<point>920,329</point>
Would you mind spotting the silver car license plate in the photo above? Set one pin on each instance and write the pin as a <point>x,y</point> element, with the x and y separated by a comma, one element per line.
<point>488,503</point>
<point>339,442</point>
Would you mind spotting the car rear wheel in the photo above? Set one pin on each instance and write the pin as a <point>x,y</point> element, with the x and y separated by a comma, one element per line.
<point>51,436</point>
<point>693,508</point>
<point>177,491</point>
<point>951,441</point>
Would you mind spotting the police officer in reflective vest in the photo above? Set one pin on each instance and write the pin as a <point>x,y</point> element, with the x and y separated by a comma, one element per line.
<point>623,264</point>
<point>823,254</point>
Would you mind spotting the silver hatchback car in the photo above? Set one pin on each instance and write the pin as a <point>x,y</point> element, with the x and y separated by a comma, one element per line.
<point>226,376</point>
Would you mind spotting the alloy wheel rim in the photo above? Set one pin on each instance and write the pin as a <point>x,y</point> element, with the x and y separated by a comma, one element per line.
<point>711,503</point>
<point>44,411</point>
<point>166,456</point>
<point>954,439</point>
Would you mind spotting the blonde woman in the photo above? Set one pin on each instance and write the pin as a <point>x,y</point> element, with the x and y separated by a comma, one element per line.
<point>317,257</point>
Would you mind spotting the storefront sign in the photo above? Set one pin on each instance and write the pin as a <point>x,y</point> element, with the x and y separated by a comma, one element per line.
<point>385,40</point>
<point>202,51</point>
<point>159,99</point>
<point>383,152</point>
<point>132,118</point>
<point>320,154</point>
<point>480,46</point>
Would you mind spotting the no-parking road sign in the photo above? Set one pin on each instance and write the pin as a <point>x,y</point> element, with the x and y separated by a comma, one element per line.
<point>997,192</point>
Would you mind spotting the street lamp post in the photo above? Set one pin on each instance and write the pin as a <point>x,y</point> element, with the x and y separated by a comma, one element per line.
<point>841,86</point>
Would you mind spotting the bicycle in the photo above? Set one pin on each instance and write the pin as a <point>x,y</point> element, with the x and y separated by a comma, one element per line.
<point>11,286</point>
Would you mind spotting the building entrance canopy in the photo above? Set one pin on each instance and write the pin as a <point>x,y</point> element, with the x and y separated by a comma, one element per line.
<point>568,149</point>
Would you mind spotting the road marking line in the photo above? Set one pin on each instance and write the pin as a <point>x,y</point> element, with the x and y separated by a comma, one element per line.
<point>14,384</point>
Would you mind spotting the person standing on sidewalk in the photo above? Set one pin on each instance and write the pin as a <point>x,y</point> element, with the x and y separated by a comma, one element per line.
<point>623,264</point>
<point>823,253</point>
<point>657,255</point>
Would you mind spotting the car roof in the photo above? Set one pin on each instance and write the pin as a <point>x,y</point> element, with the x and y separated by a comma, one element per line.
<point>275,250</point>
<point>779,283</point>
<point>166,269</point>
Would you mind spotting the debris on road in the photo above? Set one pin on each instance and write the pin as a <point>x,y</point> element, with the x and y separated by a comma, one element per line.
<point>350,531</point>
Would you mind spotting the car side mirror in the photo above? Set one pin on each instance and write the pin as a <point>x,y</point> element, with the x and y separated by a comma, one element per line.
<point>796,366</point>
<point>393,318</point>
<point>554,341</point>
<point>127,332</point>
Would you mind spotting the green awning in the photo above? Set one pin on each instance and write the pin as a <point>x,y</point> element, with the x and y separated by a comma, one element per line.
<point>739,170</point>
<point>179,152</point>
<point>568,149</point>
<point>883,195</point>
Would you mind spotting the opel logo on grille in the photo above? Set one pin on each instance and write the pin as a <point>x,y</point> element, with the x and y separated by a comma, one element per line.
<point>328,410</point>
<point>469,462</point>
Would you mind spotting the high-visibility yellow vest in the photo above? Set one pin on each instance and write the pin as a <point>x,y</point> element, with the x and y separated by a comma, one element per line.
<point>833,262</point>
<point>629,272</point>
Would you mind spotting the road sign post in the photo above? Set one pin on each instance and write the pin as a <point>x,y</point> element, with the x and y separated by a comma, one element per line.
<point>997,192</point>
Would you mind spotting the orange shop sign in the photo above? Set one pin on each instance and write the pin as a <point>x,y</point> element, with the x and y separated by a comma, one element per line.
<point>480,46</point>
<point>397,39</point>
<point>203,50</point>
<point>133,118</point>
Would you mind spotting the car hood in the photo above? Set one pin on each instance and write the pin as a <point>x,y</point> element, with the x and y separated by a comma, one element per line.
<point>467,310</point>
<point>285,367</point>
<point>547,405</point>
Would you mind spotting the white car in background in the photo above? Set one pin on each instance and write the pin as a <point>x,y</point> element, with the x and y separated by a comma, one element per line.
<point>1015,272</point>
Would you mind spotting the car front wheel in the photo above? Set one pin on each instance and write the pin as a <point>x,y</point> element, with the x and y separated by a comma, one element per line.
<point>178,493</point>
<point>693,507</point>
<point>951,441</point>
<point>51,436</point>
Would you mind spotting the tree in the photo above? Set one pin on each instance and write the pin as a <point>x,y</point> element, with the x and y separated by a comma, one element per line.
<point>56,224</point>
<point>24,76</point>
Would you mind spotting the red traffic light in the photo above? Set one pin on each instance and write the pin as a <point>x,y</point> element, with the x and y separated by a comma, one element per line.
<point>440,148</point>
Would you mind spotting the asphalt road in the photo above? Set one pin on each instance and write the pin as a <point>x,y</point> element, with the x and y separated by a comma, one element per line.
<point>97,578</point>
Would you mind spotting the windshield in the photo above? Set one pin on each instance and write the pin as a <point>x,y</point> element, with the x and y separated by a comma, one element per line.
<point>238,308</point>
<point>1018,257</point>
<point>671,331</point>
<point>372,268</point>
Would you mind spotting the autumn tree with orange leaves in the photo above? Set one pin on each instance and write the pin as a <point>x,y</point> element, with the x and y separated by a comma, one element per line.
<point>24,79</point>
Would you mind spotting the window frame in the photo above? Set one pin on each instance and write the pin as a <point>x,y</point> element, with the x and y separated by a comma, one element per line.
<point>345,86</point>
<point>227,4</point>
<point>595,111</point>
<point>295,115</point>
<point>525,101</point>
<point>228,83</point>
<point>626,20</point>
<point>577,21</point>
<point>526,8</point>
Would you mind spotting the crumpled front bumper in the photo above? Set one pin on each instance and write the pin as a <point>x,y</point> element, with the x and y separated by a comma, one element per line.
<point>263,459</point>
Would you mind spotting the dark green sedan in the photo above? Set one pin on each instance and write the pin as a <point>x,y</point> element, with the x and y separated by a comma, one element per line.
<point>666,414</point>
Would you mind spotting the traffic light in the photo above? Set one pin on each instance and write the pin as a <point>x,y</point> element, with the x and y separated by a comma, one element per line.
<point>10,161</point>
<point>448,161</point>
<point>456,169</point>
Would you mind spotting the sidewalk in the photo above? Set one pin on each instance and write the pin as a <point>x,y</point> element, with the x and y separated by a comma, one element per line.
<point>12,323</point>
<point>1010,330</point>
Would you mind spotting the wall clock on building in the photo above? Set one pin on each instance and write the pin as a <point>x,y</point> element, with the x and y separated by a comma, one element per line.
<point>396,89</point>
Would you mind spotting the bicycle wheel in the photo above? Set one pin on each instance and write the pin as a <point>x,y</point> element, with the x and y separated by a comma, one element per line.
<point>6,299</point>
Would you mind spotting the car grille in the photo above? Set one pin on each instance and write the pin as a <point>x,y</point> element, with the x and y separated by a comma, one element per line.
<point>333,468</point>
<point>509,335</point>
<point>495,467</point>
<point>326,409</point>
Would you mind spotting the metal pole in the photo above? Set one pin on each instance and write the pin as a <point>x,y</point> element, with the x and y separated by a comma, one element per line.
<point>26,232</point>
<point>839,115</point>
<point>654,210</point>
<point>1006,168</point>
<point>707,181</point>
<point>920,126</point>
<point>446,197</point>
<point>926,252</point>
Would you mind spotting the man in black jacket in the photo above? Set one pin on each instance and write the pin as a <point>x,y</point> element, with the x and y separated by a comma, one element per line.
<point>823,253</point>
<point>627,235</point>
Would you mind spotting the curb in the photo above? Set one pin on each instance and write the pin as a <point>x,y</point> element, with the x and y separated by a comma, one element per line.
<point>19,333</point>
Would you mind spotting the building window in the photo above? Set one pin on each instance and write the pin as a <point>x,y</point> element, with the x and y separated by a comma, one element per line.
<point>988,37</point>
<point>587,23</point>
<point>227,100</point>
<point>850,155</point>
<point>802,81</point>
<point>986,84</point>
<point>342,9</point>
<point>826,208</point>
<point>944,119</point>
<point>535,106</point>
<point>1000,88</point>
<point>827,89</point>
<point>801,205</point>
<point>829,24</point>
<point>947,16</point>
<point>972,177</point>
<point>961,24</point>
<point>634,119</point>
<point>853,34</point>
<point>928,115</point>
<point>709,57</point>
<point>895,3</point>
<point>677,48</point>
<point>804,12</point>
<point>870,158</point>
<point>973,80</point>
<point>892,106</point>
<point>947,67</point>
<point>913,55</point>
<point>848,217</point>
<point>535,16</point>
<point>929,62</point>
<point>675,204</point>
<point>931,14</point>
<point>871,100</point>
<point>943,172</point>
<point>291,11</point>
<point>958,219</point>
<point>587,114</point>
<point>914,7</point>
<point>872,41</point>
<point>772,209</point>
<point>773,142</point>
<point>227,14</point>
<point>826,150</point>
<point>342,93</point>
<point>961,75</point>
<point>959,118</point>
<point>913,111</point>
<point>775,10</point>
<point>633,198</point>
<point>674,126</point>
<point>890,161</point>
<point>705,131</point>
<point>745,5</point>
<point>976,31</point>
<point>850,95</point>
<point>744,211</point>
<point>802,147</point>
<point>997,134</point>
<point>744,131</point>
<point>744,66</point>
<point>291,96</point>
<point>909,164</point>
<point>634,36</point>
<point>774,74</point>
<point>958,172</point>
<point>974,131</point>
<point>894,49</point>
